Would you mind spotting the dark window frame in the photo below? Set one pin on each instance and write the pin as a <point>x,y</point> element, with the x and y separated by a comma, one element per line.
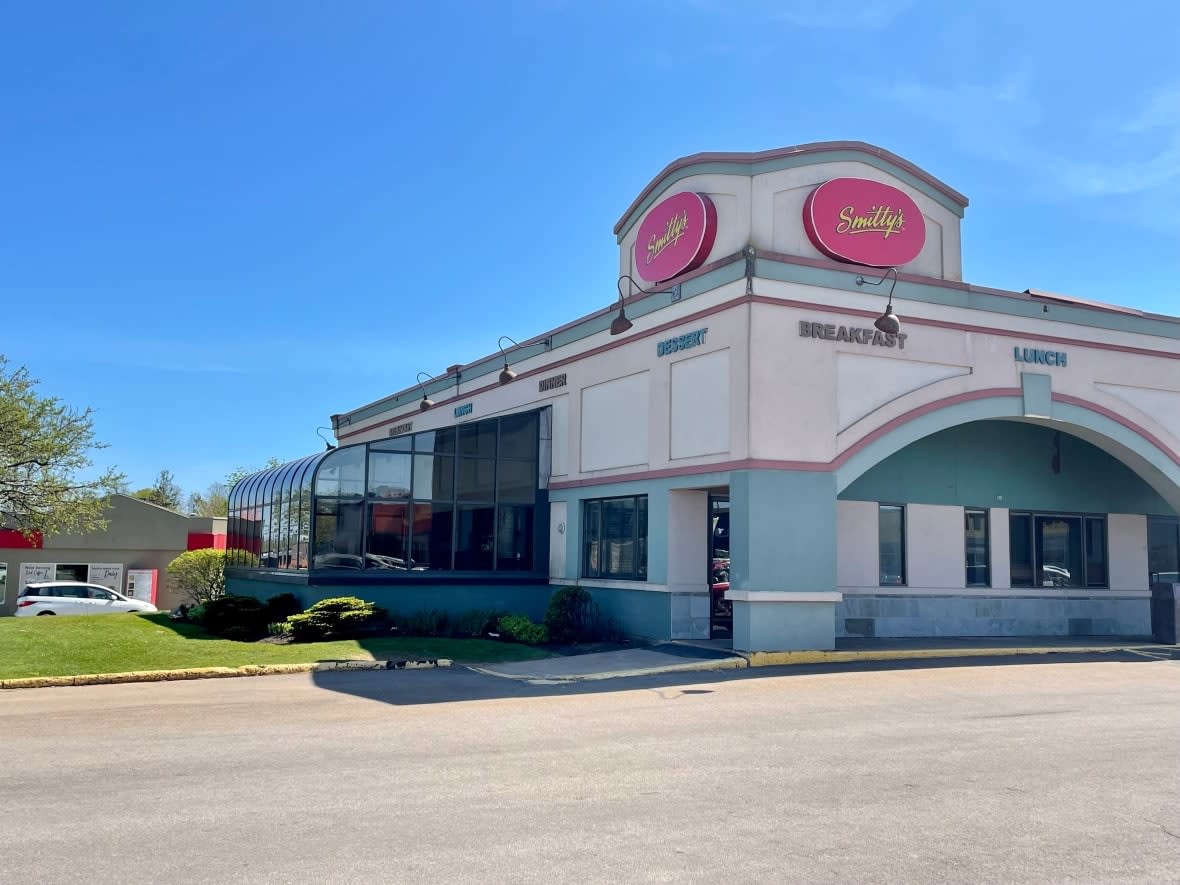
<point>593,539</point>
<point>903,571</point>
<point>987,548</point>
<point>1035,546</point>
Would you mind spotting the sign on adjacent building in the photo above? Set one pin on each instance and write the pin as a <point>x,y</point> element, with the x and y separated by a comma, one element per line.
<point>864,222</point>
<point>676,236</point>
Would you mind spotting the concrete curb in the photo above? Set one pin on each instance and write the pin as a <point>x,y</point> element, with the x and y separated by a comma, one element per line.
<point>217,673</point>
<point>788,658</point>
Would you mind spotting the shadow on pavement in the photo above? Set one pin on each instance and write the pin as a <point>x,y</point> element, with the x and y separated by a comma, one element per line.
<point>460,683</point>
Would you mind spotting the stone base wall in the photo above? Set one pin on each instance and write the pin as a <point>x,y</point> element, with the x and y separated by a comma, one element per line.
<point>899,617</point>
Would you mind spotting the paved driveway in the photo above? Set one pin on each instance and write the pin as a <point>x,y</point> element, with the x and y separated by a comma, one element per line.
<point>1007,773</point>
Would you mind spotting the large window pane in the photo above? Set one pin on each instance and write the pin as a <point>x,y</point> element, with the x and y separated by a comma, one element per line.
<point>514,538</point>
<point>891,544</point>
<point>516,482</point>
<point>977,548</point>
<point>1096,552</point>
<point>478,440</point>
<point>434,477</point>
<point>440,442</point>
<point>476,479</point>
<point>1020,549</point>
<point>1059,551</point>
<point>475,538</point>
<point>342,472</point>
<point>338,535</point>
<point>614,532</point>
<point>1163,550</point>
<point>388,535</point>
<point>518,437</point>
<point>389,475</point>
<point>431,542</point>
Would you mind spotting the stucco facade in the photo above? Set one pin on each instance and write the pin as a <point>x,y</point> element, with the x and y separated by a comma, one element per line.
<point>758,378</point>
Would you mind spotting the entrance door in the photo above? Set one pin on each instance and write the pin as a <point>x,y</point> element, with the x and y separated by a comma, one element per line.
<point>721,610</point>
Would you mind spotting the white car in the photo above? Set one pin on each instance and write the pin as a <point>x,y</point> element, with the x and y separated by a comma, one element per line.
<point>74,598</point>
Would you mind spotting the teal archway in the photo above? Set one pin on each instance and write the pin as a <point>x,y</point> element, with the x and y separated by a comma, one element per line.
<point>1155,461</point>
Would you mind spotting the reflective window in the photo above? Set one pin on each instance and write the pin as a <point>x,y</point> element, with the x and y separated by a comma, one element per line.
<point>431,544</point>
<point>975,533</point>
<point>389,475</point>
<point>1057,550</point>
<point>614,538</point>
<point>1163,550</point>
<point>461,499</point>
<point>891,544</point>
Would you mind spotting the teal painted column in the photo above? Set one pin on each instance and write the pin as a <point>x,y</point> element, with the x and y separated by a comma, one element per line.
<point>783,560</point>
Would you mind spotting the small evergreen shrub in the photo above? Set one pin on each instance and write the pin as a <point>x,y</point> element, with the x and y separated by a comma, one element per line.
<point>281,606</point>
<point>518,628</point>
<point>234,617</point>
<point>572,616</point>
<point>341,617</point>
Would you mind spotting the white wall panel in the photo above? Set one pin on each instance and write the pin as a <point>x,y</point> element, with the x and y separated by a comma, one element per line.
<point>700,406</point>
<point>615,423</point>
<point>1127,551</point>
<point>857,559</point>
<point>935,546</point>
<point>865,383</point>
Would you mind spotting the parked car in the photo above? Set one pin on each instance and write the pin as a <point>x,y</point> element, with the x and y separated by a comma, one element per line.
<point>75,598</point>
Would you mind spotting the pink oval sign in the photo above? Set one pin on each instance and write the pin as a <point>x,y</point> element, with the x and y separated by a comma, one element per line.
<point>676,236</point>
<point>864,222</point>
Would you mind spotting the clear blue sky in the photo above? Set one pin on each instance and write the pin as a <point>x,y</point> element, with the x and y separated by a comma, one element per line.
<point>221,222</point>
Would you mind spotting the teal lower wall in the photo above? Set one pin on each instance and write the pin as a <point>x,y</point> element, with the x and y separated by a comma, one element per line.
<point>530,600</point>
<point>638,614</point>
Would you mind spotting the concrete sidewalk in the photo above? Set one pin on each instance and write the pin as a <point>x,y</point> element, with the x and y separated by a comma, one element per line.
<point>684,656</point>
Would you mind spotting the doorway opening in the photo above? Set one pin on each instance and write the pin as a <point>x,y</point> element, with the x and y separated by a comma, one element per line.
<point>720,608</point>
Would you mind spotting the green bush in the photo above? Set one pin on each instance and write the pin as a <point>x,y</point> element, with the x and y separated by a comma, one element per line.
<point>341,617</point>
<point>572,616</point>
<point>436,622</point>
<point>518,628</point>
<point>235,617</point>
<point>281,606</point>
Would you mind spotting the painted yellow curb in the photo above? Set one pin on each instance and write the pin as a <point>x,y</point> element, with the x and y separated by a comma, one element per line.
<point>781,658</point>
<point>156,675</point>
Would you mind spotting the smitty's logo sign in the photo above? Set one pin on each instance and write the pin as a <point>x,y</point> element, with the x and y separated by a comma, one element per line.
<point>864,222</point>
<point>676,236</point>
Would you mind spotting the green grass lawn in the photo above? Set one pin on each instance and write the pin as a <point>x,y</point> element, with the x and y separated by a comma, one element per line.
<point>77,645</point>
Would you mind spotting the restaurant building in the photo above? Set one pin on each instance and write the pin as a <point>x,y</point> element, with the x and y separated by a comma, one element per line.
<point>795,423</point>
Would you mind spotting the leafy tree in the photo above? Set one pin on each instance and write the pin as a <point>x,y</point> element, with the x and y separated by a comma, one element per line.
<point>213,502</point>
<point>200,574</point>
<point>44,446</point>
<point>165,492</point>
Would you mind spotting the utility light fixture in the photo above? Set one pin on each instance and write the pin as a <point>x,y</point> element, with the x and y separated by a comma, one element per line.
<point>506,374</point>
<point>888,321</point>
<point>427,402</point>
<point>620,323</point>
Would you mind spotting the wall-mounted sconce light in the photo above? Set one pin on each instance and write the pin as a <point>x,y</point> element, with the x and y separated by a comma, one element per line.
<point>620,323</point>
<point>888,321</point>
<point>506,374</point>
<point>427,402</point>
<point>328,445</point>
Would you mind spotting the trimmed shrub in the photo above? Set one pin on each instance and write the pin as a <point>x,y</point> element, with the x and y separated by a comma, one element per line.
<point>235,617</point>
<point>281,606</point>
<point>572,616</point>
<point>341,617</point>
<point>518,628</point>
<point>436,622</point>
